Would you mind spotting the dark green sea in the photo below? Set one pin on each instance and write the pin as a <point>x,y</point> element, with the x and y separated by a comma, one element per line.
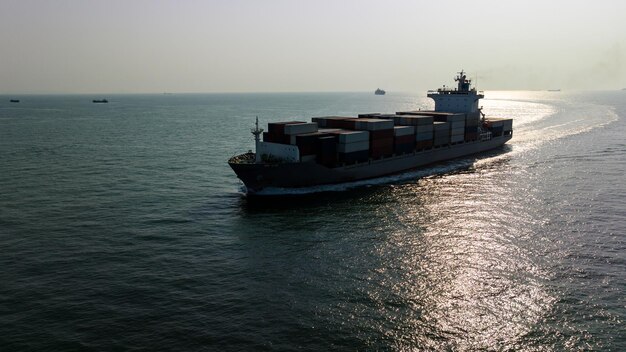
<point>123,228</point>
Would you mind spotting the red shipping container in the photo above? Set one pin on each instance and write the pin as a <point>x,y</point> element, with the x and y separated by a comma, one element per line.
<point>382,150</point>
<point>346,124</point>
<point>278,128</point>
<point>381,134</point>
<point>423,144</point>
<point>404,139</point>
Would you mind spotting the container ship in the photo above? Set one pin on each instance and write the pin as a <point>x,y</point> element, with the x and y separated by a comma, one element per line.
<point>339,149</point>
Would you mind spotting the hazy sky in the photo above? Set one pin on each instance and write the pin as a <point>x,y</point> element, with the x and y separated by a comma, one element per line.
<point>83,46</point>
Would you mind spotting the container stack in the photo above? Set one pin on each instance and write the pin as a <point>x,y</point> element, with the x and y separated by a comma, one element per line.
<point>472,121</point>
<point>326,150</point>
<point>326,121</point>
<point>498,127</point>
<point>381,135</point>
<point>369,115</point>
<point>276,132</point>
<point>292,130</point>
<point>441,133</point>
<point>403,139</point>
<point>308,144</point>
<point>352,146</point>
<point>423,129</point>
<point>457,127</point>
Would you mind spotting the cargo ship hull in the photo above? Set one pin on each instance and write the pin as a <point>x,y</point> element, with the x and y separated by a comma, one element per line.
<point>258,176</point>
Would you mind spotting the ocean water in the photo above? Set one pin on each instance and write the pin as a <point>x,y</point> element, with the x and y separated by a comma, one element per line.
<point>123,228</point>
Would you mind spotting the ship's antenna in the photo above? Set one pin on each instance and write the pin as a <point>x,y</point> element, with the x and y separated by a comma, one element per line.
<point>476,80</point>
<point>256,131</point>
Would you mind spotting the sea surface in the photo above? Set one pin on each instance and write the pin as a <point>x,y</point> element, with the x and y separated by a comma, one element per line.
<point>123,228</point>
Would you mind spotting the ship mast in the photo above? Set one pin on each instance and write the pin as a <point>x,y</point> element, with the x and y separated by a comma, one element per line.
<point>256,131</point>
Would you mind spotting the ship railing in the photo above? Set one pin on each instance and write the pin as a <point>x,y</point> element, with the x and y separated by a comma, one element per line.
<point>453,91</point>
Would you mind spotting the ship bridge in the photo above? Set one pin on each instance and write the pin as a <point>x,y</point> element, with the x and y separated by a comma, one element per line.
<point>463,98</point>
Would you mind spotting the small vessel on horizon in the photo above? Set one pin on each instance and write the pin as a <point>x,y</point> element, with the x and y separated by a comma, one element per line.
<point>379,91</point>
<point>554,90</point>
<point>14,101</point>
<point>100,101</point>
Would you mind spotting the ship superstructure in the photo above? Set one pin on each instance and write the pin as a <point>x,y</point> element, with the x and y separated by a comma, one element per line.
<point>463,98</point>
<point>337,149</point>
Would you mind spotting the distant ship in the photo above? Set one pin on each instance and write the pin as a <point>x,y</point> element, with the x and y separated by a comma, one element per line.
<point>379,91</point>
<point>336,149</point>
<point>14,100</point>
<point>554,90</point>
<point>101,101</point>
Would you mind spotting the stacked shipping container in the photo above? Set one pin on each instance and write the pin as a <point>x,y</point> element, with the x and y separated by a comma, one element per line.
<point>373,135</point>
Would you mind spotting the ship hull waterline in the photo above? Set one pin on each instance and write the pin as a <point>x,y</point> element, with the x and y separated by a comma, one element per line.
<point>258,176</point>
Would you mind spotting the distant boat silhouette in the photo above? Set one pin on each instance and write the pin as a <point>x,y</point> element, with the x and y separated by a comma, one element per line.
<point>14,100</point>
<point>554,90</point>
<point>100,101</point>
<point>379,91</point>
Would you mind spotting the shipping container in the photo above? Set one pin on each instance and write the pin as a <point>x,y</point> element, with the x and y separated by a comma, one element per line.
<point>352,136</point>
<point>308,143</point>
<point>382,151</point>
<point>426,136</point>
<point>278,128</point>
<point>300,128</point>
<point>410,139</point>
<point>440,126</point>
<point>381,134</point>
<point>381,147</point>
<point>414,120</point>
<point>506,124</point>
<point>419,145</point>
<point>450,117</point>
<point>403,130</point>
<point>369,115</point>
<point>322,121</point>
<point>374,124</point>
<point>329,130</point>
<point>327,150</point>
<point>441,140</point>
<point>457,138</point>
<point>457,124</point>
<point>346,123</point>
<point>354,157</point>
<point>424,128</point>
<point>404,148</point>
<point>353,147</point>
<point>457,131</point>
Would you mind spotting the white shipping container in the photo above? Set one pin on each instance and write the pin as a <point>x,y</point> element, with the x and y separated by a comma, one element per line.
<point>353,147</point>
<point>403,130</point>
<point>440,126</point>
<point>353,136</point>
<point>374,124</point>
<point>301,128</point>
<point>458,131</point>
<point>329,130</point>
<point>457,124</point>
